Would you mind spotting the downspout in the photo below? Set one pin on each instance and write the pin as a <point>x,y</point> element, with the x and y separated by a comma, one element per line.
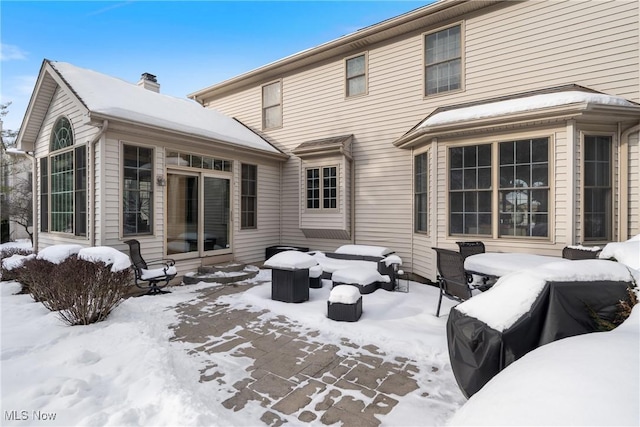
<point>92,187</point>
<point>353,201</point>
<point>571,196</point>
<point>623,183</point>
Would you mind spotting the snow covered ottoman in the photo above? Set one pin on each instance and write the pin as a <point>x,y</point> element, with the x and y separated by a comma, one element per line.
<point>345,304</point>
<point>315,277</point>
<point>290,275</point>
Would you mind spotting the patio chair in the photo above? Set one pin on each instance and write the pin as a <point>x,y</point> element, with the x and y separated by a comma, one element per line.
<point>153,280</point>
<point>574,253</point>
<point>470,248</point>
<point>452,279</point>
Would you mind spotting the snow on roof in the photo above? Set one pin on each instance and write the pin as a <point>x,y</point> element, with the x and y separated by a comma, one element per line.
<point>120,99</point>
<point>291,260</point>
<point>364,250</point>
<point>513,295</point>
<point>110,256</point>
<point>521,105</point>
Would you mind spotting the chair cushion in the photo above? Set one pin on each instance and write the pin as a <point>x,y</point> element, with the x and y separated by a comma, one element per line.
<point>157,272</point>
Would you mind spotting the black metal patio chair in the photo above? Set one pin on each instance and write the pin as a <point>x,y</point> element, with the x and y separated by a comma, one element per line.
<point>452,279</point>
<point>150,279</point>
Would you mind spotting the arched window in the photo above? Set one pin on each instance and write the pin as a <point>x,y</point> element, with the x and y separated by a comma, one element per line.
<point>63,183</point>
<point>62,134</point>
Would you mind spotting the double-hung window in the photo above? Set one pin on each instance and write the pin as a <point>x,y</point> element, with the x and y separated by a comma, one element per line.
<point>443,60</point>
<point>322,188</point>
<point>63,183</point>
<point>470,189</point>
<point>137,194</point>
<point>420,191</point>
<point>249,197</point>
<point>597,203</point>
<point>272,105</point>
<point>356,75</point>
<point>524,187</point>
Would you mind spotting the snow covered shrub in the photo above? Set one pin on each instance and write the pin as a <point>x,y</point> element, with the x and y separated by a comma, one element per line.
<point>8,271</point>
<point>81,291</point>
<point>35,278</point>
<point>87,291</point>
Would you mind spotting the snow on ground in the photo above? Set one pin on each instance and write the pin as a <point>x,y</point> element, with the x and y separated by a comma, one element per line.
<point>127,371</point>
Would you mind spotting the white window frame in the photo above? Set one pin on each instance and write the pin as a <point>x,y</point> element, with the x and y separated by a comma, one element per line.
<point>266,107</point>
<point>321,188</point>
<point>495,186</point>
<point>152,213</point>
<point>244,196</point>
<point>416,194</point>
<point>364,75</point>
<point>426,65</point>
<point>611,187</point>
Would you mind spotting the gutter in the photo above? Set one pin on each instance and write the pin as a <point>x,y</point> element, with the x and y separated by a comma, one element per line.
<point>623,183</point>
<point>92,188</point>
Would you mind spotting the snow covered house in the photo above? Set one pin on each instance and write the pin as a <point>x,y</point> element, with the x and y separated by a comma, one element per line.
<point>118,161</point>
<point>514,123</point>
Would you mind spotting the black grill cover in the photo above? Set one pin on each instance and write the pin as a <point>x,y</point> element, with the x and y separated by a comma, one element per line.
<point>563,309</point>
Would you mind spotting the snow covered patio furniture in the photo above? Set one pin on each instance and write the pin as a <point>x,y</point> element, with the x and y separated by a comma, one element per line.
<point>344,304</point>
<point>315,277</point>
<point>290,275</point>
<point>580,252</point>
<point>527,309</point>
<point>154,279</point>
<point>272,250</point>
<point>358,265</point>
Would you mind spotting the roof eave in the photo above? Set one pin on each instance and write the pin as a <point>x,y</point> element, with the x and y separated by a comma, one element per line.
<point>372,34</point>
<point>565,112</point>
<point>96,119</point>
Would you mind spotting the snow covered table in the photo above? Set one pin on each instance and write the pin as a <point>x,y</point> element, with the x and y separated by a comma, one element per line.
<point>290,275</point>
<point>345,304</point>
<point>498,264</point>
<point>527,309</point>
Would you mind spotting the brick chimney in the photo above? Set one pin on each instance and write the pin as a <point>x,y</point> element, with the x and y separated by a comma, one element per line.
<point>148,81</point>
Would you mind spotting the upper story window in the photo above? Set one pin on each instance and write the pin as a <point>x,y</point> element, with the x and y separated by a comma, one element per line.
<point>597,204</point>
<point>63,183</point>
<point>322,188</point>
<point>272,105</point>
<point>356,75</point>
<point>443,61</point>
<point>137,191</point>
<point>420,192</point>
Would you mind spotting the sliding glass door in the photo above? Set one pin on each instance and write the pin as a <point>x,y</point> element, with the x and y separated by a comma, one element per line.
<point>198,214</point>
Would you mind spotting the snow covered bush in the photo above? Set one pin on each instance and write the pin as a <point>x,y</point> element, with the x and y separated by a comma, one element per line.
<point>7,272</point>
<point>81,291</point>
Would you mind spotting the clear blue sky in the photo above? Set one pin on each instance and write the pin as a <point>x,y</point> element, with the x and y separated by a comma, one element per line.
<point>187,45</point>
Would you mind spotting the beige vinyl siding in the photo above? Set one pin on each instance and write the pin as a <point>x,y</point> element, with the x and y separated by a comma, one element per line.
<point>542,44</point>
<point>510,48</point>
<point>249,244</point>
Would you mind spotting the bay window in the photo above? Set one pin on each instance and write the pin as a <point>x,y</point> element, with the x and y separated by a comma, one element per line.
<point>522,194</point>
